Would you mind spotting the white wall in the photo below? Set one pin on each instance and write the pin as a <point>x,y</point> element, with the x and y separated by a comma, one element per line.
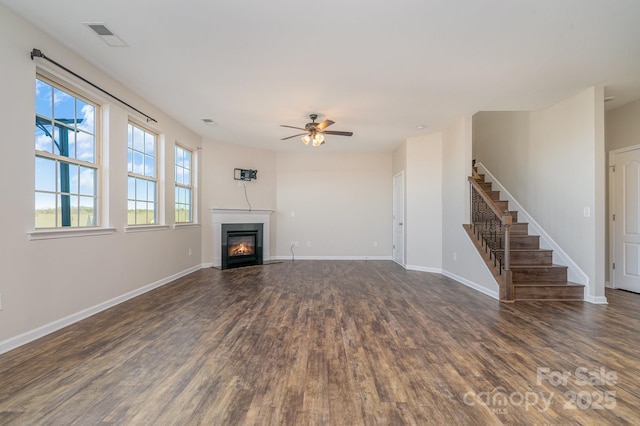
<point>336,205</point>
<point>622,126</point>
<point>460,259</point>
<point>220,190</point>
<point>552,161</point>
<point>44,281</point>
<point>423,202</point>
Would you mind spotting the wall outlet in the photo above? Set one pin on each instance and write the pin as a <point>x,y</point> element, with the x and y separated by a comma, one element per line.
<point>295,243</point>
<point>190,252</point>
<point>455,256</point>
<point>293,214</point>
<point>375,244</point>
<point>308,243</point>
<point>0,301</point>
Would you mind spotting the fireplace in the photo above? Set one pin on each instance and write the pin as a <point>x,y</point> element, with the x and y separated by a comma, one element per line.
<point>238,216</point>
<point>241,244</point>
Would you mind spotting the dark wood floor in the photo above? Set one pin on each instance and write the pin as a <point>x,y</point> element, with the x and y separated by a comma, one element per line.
<point>330,342</point>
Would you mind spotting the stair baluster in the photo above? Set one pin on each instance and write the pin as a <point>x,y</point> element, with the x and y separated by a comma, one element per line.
<point>491,228</point>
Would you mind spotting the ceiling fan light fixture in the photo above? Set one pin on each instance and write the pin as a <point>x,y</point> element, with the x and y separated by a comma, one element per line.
<point>314,132</point>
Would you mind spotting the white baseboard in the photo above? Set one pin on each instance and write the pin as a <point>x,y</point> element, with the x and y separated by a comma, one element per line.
<point>332,258</point>
<point>596,300</point>
<point>423,269</point>
<point>29,336</point>
<point>475,286</point>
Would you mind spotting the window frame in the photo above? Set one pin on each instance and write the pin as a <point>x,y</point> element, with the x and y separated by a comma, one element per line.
<point>59,228</point>
<point>178,185</point>
<point>137,176</point>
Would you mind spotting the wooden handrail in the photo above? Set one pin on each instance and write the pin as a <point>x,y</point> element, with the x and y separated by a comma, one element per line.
<point>506,287</point>
<point>505,216</point>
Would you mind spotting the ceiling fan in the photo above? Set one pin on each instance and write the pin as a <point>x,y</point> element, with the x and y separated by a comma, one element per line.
<point>314,132</point>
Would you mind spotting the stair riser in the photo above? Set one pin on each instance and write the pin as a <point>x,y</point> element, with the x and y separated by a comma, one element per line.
<point>525,241</point>
<point>502,205</point>
<point>518,241</point>
<point>531,257</point>
<point>520,228</point>
<point>549,293</point>
<point>539,274</point>
<point>516,228</point>
<point>494,195</point>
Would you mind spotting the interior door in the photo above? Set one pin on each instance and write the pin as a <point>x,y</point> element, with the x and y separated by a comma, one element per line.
<point>398,218</point>
<point>626,223</point>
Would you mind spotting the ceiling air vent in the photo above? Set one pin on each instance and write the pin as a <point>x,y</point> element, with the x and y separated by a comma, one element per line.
<point>106,35</point>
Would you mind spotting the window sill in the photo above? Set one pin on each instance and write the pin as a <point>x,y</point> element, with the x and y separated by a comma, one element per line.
<point>145,228</point>
<point>185,225</point>
<point>49,234</point>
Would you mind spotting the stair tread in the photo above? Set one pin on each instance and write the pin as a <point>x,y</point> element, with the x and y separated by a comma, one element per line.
<point>537,250</point>
<point>547,284</point>
<point>534,266</point>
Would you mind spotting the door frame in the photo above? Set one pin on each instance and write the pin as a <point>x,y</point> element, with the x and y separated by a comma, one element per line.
<point>403,219</point>
<point>612,206</point>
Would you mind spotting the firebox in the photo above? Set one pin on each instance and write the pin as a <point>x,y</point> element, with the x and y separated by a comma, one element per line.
<point>241,244</point>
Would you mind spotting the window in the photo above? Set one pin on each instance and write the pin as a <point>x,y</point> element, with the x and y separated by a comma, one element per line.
<point>184,185</point>
<point>142,185</point>
<point>66,160</point>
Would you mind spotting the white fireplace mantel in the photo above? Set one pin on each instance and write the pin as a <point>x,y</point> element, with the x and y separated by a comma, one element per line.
<point>220,216</point>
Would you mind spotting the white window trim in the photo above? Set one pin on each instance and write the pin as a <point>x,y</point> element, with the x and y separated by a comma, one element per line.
<point>185,225</point>
<point>53,78</point>
<point>192,186</point>
<point>158,180</point>
<point>50,233</point>
<point>145,228</point>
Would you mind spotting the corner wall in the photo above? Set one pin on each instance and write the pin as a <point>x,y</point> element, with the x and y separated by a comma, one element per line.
<point>460,259</point>
<point>622,129</point>
<point>335,205</point>
<point>220,190</point>
<point>47,284</point>
<point>423,203</point>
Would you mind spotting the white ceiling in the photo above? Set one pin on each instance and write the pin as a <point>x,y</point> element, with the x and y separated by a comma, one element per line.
<point>377,68</point>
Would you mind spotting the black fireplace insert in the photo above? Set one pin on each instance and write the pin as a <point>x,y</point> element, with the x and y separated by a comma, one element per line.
<point>241,244</point>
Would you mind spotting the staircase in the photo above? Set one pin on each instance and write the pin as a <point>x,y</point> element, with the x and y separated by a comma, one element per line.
<point>522,269</point>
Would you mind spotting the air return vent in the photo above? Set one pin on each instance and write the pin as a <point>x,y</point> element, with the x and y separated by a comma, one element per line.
<point>106,34</point>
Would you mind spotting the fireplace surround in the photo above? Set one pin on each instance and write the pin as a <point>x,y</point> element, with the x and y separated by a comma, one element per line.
<point>239,216</point>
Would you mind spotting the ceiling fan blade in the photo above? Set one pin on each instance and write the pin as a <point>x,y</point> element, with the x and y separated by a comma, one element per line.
<point>289,137</point>
<point>324,124</point>
<point>292,127</point>
<point>333,132</point>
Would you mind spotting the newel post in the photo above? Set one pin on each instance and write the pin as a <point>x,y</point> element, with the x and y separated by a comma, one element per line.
<point>507,295</point>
